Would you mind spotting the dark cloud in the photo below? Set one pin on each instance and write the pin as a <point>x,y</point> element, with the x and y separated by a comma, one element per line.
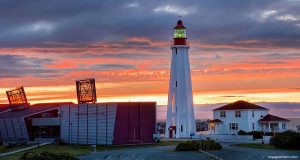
<point>205,111</point>
<point>245,71</point>
<point>276,56</point>
<point>18,66</point>
<point>36,23</point>
<point>265,62</point>
<point>14,66</point>
<point>102,67</point>
<point>118,55</point>
<point>280,105</point>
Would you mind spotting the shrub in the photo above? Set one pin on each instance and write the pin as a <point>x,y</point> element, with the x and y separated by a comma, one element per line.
<point>196,145</point>
<point>188,146</point>
<point>256,134</point>
<point>47,156</point>
<point>287,139</point>
<point>269,134</point>
<point>241,132</point>
<point>210,145</point>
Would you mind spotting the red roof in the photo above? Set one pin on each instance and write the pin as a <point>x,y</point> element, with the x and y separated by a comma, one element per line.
<point>215,121</point>
<point>179,25</point>
<point>270,117</point>
<point>51,104</point>
<point>240,105</point>
<point>4,107</point>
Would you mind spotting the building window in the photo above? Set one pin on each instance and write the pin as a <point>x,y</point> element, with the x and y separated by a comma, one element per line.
<point>233,126</point>
<point>283,126</point>
<point>252,126</point>
<point>222,114</point>
<point>176,83</point>
<point>47,115</point>
<point>252,113</point>
<point>237,113</point>
<point>176,51</point>
<point>181,128</point>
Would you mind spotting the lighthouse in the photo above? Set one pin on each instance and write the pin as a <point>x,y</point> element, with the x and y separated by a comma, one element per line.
<point>180,112</point>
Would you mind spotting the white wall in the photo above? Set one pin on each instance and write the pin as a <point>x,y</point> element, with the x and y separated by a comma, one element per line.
<point>231,138</point>
<point>255,119</point>
<point>96,123</point>
<point>13,128</point>
<point>180,111</point>
<point>244,122</point>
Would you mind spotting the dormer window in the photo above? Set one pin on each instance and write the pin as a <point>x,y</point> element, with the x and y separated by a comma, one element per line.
<point>237,113</point>
<point>222,114</point>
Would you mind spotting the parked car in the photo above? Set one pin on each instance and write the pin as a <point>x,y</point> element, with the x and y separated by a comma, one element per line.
<point>156,137</point>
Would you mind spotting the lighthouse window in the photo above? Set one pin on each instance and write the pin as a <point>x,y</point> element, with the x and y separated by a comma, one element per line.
<point>181,128</point>
<point>176,50</point>
<point>176,83</point>
<point>180,33</point>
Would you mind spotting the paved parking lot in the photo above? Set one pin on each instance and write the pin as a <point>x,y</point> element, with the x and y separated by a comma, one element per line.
<point>146,153</point>
<point>167,153</point>
<point>238,153</point>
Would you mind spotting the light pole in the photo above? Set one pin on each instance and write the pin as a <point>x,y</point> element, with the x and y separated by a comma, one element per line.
<point>262,129</point>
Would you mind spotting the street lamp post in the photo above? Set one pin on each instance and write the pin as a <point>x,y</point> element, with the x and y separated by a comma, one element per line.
<point>262,129</point>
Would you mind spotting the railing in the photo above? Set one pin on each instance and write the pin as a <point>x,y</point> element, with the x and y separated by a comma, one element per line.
<point>187,43</point>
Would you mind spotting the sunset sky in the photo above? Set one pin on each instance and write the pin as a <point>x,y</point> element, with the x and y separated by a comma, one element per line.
<point>246,50</point>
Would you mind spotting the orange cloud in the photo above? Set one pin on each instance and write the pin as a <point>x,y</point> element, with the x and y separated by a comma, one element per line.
<point>251,70</point>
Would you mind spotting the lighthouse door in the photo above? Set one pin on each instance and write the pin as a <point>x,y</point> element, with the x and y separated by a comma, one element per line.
<point>172,131</point>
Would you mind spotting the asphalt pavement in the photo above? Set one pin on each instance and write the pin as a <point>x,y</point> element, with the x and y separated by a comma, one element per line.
<point>239,153</point>
<point>168,153</point>
<point>146,153</point>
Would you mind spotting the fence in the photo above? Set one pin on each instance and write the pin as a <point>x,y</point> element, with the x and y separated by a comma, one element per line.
<point>231,138</point>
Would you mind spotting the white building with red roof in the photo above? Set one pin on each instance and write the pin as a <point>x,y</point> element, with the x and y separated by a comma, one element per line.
<point>242,115</point>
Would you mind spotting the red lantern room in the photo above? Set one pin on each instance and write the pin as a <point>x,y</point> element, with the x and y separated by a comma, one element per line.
<point>179,34</point>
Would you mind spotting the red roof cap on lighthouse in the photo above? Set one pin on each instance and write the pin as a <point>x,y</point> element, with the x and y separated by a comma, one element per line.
<point>179,25</point>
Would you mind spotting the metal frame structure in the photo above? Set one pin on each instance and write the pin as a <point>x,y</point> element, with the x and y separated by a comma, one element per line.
<point>86,91</point>
<point>17,98</point>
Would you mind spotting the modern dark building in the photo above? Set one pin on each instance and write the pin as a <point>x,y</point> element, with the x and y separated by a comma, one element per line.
<point>92,123</point>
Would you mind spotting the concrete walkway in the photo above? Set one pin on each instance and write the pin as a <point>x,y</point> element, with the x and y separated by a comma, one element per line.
<point>24,149</point>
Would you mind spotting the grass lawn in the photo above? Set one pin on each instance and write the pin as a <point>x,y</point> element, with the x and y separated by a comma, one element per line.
<point>168,143</point>
<point>79,150</point>
<point>255,145</point>
<point>75,150</point>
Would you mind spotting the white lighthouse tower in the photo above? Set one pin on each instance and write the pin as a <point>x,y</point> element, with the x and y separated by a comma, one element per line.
<point>180,113</point>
